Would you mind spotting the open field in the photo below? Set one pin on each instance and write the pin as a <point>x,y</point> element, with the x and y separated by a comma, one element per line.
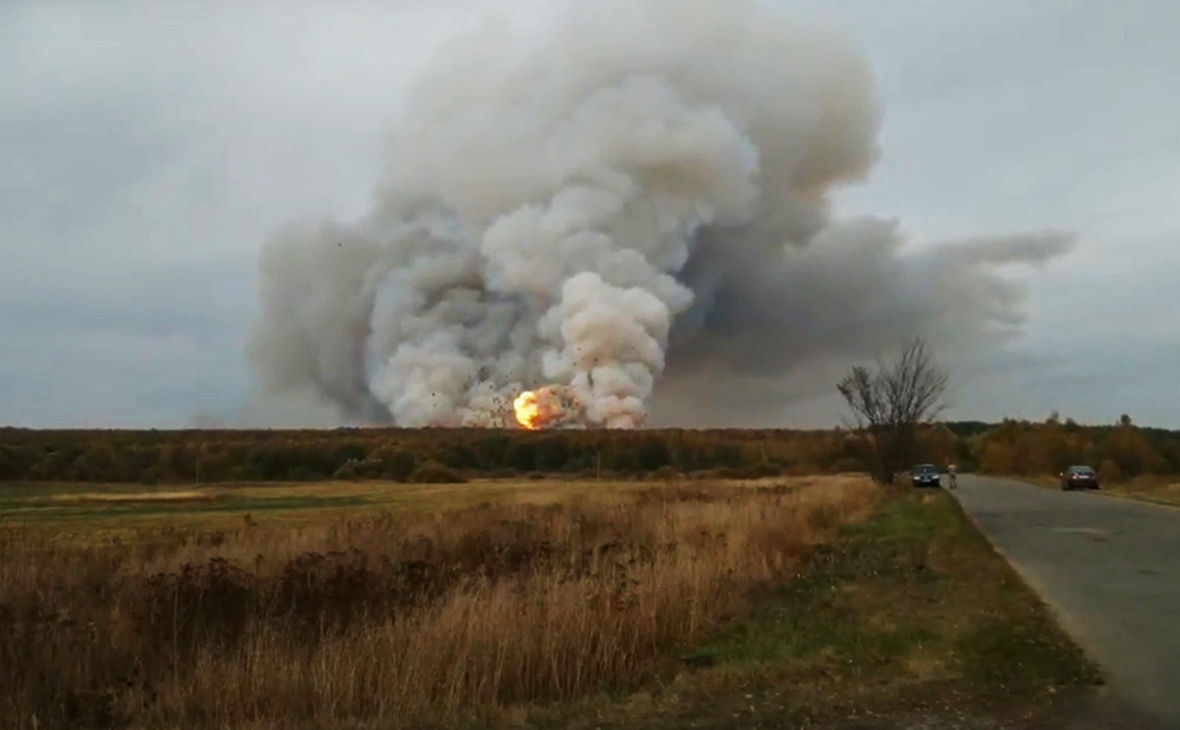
<point>283,606</point>
<point>135,510</point>
<point>808,602</point>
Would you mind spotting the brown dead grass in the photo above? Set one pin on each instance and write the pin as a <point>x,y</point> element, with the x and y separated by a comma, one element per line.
<point>910,619</point>
<point>396,619</point>
<point>301,506</point>
<point>1164,490</point>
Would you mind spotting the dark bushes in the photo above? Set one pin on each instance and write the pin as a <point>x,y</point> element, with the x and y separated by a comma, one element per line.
<point>418,454</point>
<point>432,473</point>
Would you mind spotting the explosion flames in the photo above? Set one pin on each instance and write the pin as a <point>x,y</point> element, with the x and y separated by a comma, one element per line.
<point>546,407</point>
<point>528,410</point>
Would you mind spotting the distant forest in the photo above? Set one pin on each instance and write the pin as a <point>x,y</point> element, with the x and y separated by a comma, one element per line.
<point>1119,451</point>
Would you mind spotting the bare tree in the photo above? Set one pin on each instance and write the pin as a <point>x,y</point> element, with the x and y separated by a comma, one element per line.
<point>891,400</point>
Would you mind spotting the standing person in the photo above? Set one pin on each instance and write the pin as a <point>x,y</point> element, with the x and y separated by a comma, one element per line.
<point>950,474</point>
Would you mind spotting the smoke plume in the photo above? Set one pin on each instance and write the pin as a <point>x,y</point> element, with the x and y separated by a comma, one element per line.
<point>629,209</point>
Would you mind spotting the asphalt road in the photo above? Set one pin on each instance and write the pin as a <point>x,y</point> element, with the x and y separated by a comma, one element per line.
<point>1109,567</point>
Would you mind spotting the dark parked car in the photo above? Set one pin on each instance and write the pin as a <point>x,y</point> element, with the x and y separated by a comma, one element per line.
<point>1079,477</point>
<point>926,475</point>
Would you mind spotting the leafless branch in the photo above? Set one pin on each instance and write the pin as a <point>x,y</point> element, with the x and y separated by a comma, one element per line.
<point>889,402</point>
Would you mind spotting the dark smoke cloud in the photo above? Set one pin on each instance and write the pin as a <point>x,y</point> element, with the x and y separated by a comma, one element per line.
<point>781,327</point>
<point>632,207</point>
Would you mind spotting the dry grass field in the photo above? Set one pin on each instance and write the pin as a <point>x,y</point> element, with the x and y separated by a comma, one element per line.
<point>378,605</point>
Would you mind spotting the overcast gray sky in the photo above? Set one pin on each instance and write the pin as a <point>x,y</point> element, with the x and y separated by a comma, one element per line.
<point>147,150</point>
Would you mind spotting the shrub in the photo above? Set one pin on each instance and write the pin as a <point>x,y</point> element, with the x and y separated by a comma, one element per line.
<point>1110,472</point>
<point>359,469</point>
<point>665,473</point>
<point>770,469</point>
<point>400,465</point>
<point>435,473</point>
<point>848,464</point>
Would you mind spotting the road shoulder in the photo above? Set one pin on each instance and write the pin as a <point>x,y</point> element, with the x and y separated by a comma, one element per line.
<point>1161,494</point>
<point>910,620</point>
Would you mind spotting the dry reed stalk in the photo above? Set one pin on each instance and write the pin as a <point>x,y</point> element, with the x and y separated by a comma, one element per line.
<point>398,621</point>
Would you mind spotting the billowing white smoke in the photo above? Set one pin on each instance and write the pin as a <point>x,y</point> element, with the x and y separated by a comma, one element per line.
<point>564,209</point>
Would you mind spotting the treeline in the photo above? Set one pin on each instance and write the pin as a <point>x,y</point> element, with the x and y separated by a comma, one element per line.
<point>431,455</point>
<point>1120,451</point>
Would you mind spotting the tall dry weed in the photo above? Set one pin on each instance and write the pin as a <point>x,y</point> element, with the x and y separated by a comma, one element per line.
<point>390,620</point>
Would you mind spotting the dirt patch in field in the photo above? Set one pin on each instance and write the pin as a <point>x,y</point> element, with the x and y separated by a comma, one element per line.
<point>172,497</point>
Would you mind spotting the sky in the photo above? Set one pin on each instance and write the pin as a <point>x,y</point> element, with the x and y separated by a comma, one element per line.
<point>148,150</point>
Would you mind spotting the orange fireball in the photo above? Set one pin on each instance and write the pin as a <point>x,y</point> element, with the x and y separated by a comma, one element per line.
<point>549,406</point>
<point>527,407</point>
